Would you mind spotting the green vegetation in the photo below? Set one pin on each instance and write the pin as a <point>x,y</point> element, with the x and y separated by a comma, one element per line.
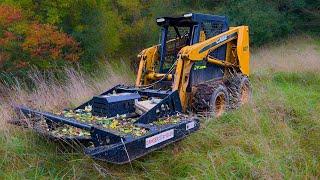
<point>276,136</point>
<point>99,30</point>
<point>61,47</point>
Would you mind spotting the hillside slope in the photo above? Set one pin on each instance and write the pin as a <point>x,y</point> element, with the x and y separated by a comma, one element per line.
<point>276,136</point>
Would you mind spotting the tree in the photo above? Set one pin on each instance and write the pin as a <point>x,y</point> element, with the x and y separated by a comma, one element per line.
<point>25,42</point>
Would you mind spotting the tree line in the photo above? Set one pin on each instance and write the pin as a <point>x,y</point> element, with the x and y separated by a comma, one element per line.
<point>50,34</point>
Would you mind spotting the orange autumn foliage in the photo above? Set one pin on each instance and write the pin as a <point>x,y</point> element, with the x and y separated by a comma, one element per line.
<point>7,38</point>
<point>46,41</point>
<point>9,14</point>
<point>25,42</point>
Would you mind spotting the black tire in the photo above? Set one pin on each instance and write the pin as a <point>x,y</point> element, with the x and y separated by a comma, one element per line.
<point>240,91</point>
<point>219,101</point>
<point>205,97</point>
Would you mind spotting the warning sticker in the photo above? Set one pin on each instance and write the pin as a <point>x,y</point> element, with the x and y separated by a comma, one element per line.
<point>190,125</point>
<point>156,139</point>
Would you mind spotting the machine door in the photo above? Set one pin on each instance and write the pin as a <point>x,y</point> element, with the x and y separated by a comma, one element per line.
<point>203,71</point>
<point>176,38</point>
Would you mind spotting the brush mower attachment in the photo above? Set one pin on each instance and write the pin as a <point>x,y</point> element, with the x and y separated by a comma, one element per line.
<point>124,123</point>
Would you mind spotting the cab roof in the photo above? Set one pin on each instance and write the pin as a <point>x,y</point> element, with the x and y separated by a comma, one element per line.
<point>189,19</point>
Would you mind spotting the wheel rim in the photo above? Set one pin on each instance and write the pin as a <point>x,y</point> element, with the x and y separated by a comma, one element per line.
<point>220,105</point>
<point>245,94</point>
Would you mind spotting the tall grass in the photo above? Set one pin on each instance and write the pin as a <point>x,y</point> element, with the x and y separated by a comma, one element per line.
<point>274,137</point>
<point>297,54</point>
<point>21,148</point>
<point>50,94</point>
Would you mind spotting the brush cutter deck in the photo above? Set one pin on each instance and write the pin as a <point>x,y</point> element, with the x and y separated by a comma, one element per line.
<point>118,147</point>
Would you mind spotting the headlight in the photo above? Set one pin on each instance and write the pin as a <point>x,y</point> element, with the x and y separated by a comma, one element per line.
<point>159,20</point>
<point>188,15</point>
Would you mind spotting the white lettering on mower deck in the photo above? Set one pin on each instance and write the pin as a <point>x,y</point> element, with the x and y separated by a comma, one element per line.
<point>190,125</point>
<point>156,139</point>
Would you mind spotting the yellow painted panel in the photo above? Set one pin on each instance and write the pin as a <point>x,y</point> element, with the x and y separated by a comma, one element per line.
<point>243,50</point>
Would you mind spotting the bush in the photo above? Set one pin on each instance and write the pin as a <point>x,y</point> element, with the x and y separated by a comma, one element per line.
<point>46,42</point>
<point>25,43</point>
<point>266,22</point>
<point>110,29</point>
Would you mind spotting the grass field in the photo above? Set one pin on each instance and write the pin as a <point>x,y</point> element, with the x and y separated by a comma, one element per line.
<point>276,136</point>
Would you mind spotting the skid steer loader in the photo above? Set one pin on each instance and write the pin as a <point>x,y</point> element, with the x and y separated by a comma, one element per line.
<point>200,66</point>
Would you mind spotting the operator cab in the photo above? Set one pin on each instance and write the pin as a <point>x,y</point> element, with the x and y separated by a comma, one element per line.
<point>176,33</point>
<point>191,28</point>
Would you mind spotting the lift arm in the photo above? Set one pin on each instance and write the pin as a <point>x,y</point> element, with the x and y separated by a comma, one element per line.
<point>200,52</point>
